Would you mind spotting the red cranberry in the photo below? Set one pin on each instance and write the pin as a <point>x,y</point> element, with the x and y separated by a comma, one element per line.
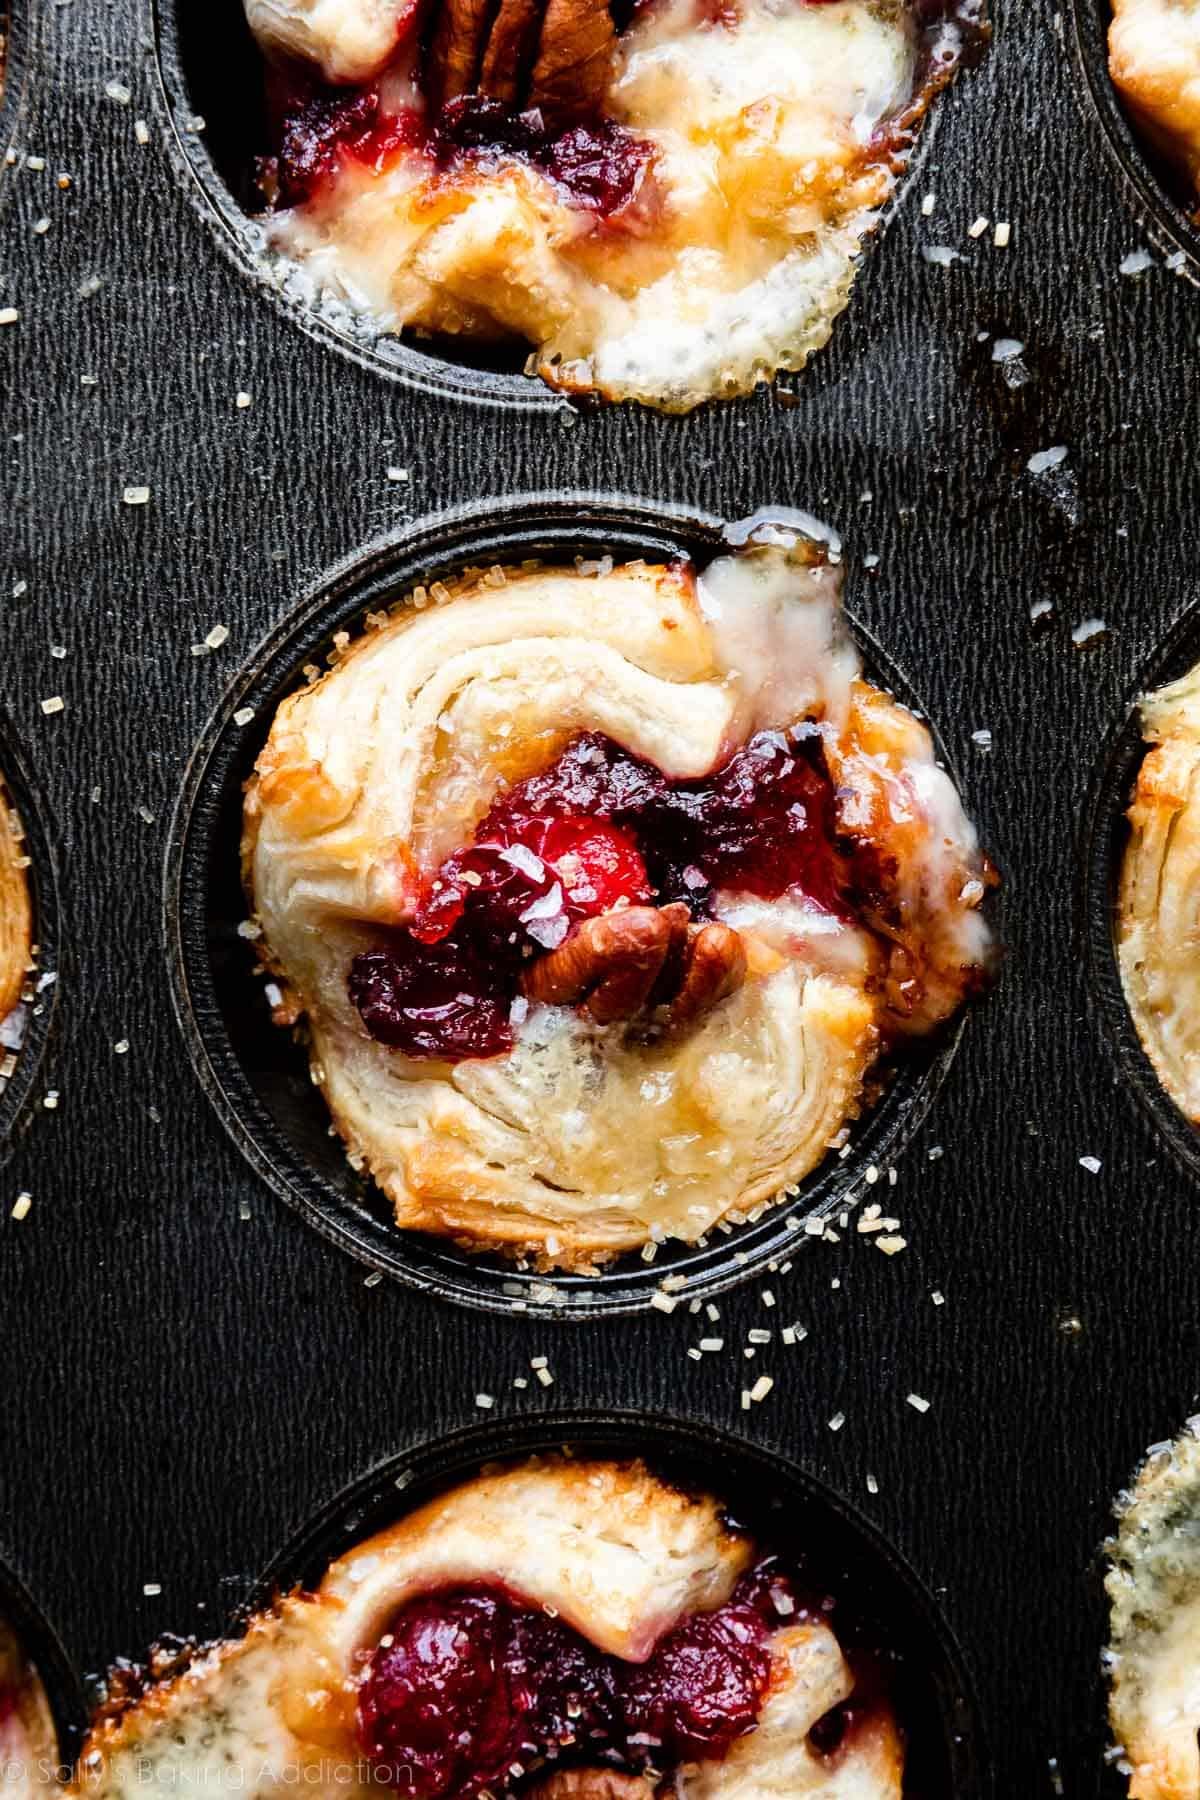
<point>317,127</point>
<point>472,1685</point>
<point>528,877</point>
<point>703,1686</point>
<point>424,1706</point>
<point>600,166</point>
<point>599,826</point>
<point>439,1000</point>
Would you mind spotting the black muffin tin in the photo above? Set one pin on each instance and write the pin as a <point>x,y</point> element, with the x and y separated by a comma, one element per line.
<point>202,1391</point>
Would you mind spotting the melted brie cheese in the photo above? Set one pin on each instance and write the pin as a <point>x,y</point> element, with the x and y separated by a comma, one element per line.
<point>348,40</point>
<point>763,128</point>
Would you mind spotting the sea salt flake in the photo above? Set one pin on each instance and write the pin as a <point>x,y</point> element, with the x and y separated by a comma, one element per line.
<point>1092,1164</point>
<point>1043,460</point>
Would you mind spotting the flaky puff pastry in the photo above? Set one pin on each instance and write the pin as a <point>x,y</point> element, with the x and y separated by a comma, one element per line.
<point>1158,922</point>
<point>29,1757</point>
<point>1154,58</point>
<point>16,909</point>
<point>1154,1592</point>
<point>616,1552</point>
<point>587,1140</point>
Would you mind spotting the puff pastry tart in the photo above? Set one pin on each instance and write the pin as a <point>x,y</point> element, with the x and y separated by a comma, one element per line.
<point>1159,903</point>
<point>16,922</point>
<point>1154,1592</point>
<point>666,199</point>
<point>1154,58</point>
<point>572,1630</point>
<point>29,1758</point>
<point>602,892</point>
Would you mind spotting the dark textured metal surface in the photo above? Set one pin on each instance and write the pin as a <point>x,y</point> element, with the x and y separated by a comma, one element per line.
<point>183,1388</point>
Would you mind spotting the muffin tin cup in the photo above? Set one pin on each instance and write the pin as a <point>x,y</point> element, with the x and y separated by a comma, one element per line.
<point>771,1495</point>
<point>257,1079</point>
<point>182,30</point>
<point>205,52</point>
<point>1102,854</point>
<point>1149,184</point>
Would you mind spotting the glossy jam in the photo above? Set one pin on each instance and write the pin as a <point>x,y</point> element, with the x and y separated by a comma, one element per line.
<point>470,1686</point>
<point>599,167</point>
<point>317,127</point>
<point>599,826</point>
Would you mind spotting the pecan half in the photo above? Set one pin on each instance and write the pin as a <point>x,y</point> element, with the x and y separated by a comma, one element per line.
<point>642,957</point>
<point>555,55</point>
<point>714,968</point>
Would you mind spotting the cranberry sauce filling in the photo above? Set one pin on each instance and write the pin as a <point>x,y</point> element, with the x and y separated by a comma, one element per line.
<point>317,127</point>
<point>470,1686</point>
<point>597,827</point>
<point>599,167</point>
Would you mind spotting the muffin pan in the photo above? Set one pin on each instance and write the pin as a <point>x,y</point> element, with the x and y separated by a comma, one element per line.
<point>873,1592</point>
<point>202,480</point>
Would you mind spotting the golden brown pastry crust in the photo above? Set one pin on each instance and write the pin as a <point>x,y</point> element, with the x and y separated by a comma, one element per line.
<point>1158,941</point>
<point>1153,1587</point>
<point>1154,58</point>
<point>615,1550</point>
<point>585,1139</point>
<point>16,909</point>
